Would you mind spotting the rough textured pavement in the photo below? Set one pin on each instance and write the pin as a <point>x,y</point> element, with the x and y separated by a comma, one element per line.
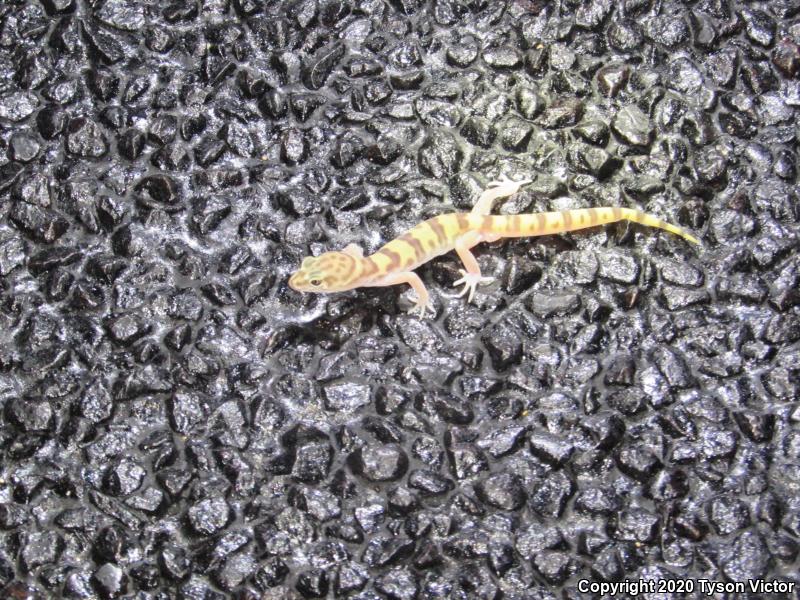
<point>178,424</point>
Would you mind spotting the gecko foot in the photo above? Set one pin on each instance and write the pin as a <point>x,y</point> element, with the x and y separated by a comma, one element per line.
<point>498,182</point>
<point>421,309</point>
<point>509,185</point>
<point>470,282</point>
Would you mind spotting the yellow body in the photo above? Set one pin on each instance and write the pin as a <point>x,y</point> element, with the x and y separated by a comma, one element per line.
<point>395,262</point>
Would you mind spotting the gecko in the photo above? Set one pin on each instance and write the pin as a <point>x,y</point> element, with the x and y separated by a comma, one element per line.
<point>394,263</point>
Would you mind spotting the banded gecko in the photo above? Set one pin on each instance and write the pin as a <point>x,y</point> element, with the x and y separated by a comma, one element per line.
<point>394,263</point>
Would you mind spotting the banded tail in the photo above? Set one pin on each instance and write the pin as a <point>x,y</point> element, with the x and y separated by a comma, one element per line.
<point>548,223</point>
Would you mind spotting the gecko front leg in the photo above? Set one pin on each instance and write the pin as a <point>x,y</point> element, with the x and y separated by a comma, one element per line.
<point>423,304</point>
<point>471,277</point>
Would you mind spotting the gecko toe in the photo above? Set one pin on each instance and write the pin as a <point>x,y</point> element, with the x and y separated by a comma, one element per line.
<point>421,310</point>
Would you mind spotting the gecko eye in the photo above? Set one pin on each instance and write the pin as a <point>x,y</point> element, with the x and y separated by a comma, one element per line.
<point>315,282</point>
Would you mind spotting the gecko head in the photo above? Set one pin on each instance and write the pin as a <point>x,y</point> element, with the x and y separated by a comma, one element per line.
<point>328,272</point>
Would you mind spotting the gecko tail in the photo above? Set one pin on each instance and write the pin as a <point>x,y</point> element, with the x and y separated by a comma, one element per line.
<point>649,220</point>
<point>548,223</point>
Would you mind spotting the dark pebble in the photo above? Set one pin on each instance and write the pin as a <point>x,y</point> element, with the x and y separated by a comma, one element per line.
<point>379,463</point>
<point>503,491</point>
